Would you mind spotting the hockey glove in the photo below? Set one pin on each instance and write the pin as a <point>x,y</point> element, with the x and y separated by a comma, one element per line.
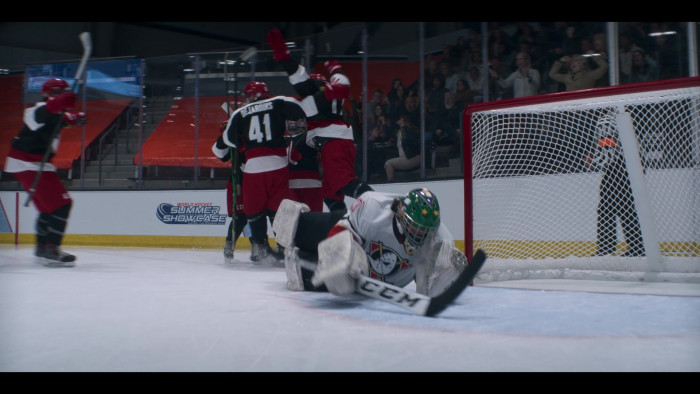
<point>74,118</point>
<point>61,102</point>
<point>276,41</point>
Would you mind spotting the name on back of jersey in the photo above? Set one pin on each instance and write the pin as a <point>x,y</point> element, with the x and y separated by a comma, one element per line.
<point>255,108</point>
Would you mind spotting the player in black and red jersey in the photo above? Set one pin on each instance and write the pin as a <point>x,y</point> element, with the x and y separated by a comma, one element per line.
<point>259,128</point>
<point>327,131</point>
<point>24,160</point>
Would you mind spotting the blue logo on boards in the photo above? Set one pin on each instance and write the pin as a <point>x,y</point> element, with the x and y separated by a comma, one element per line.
<point>190,213</point>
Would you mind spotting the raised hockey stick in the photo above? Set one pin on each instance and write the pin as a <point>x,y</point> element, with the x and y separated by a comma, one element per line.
<point>414,302</point>
<point>86,40</point>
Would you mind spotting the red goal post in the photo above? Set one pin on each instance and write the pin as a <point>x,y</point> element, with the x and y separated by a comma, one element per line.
<point>533,189</point>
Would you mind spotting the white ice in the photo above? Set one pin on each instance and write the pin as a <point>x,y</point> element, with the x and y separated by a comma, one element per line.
<point>151,310</point>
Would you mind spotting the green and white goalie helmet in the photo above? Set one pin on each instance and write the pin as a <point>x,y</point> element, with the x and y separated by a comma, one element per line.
<point>419,215</point>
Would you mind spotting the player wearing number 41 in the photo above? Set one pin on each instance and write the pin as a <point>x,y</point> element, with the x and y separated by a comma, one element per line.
<point>259,127</point>
<point>27,152</point>
<point>390,237</point>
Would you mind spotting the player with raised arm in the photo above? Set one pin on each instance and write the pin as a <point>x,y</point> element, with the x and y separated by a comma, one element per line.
<point>390,237</point>
<point>258,128</point>
<point>327,131</point>
<point>26,153</point>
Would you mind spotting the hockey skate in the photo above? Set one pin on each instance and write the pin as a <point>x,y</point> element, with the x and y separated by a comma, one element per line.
<point>53,256</point>
<point>277,255</point>
<point>259,253</point>
<point>228,251</point>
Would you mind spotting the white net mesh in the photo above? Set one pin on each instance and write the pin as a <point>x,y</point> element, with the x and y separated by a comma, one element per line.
<point>556,185</point>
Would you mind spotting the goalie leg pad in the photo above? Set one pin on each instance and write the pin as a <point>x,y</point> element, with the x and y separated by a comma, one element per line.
<point>287,220</point>
<point>341,261</point>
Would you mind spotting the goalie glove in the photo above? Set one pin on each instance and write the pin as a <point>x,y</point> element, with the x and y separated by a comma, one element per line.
<point>276,41</point>
<point>441,268</point>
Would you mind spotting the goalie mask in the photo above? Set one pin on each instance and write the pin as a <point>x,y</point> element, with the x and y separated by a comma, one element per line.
<point>419,216</point>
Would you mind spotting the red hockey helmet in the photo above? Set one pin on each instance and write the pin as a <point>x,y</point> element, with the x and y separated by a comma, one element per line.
<point>54,87</point>
<point>318,76</point>
<point>256,90</point>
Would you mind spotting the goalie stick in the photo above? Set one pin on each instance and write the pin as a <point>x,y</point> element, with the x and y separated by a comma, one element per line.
<point>415,302</point>
<point>86,41</point>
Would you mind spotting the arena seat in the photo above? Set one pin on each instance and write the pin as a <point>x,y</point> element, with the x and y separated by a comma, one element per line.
<point>172,142</point>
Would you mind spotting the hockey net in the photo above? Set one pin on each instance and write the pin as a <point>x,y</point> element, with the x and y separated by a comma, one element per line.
<point>541,192</point>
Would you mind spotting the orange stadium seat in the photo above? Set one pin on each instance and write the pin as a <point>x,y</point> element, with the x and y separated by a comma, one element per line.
<point>172,142</point>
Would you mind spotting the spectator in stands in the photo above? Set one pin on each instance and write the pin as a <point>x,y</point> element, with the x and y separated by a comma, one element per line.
<point>627,48</point>
<point>464,95</point>
<point>445,126</point>
<point>395,102</point>
<point>476,83</point>
<point>599,47</point>
<point>393,94</point>
<point>569,39</point>
<point>435,96</point>
<point>411,110</point>
<point>431,70</point>
<point>377,100</point>
<point>474,57</point>
<point>408,142</point>
<point>449,74</point>
<point>525,81</point>
<point>643,68</point>
<point>382,143</point>
<point>461,49</point>
<point>496,91</point>
<point>665,52</point>
<point>579,75</point>
<point>450,55</point>
<point>39,136</point>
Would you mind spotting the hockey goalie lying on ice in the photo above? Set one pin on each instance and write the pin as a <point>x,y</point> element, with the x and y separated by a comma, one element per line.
<point>390,237</point>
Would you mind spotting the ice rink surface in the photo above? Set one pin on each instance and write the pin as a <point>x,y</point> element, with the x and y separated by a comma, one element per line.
<point>166,310</point>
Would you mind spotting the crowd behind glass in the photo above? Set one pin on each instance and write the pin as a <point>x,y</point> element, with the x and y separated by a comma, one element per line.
<point>472,63</point>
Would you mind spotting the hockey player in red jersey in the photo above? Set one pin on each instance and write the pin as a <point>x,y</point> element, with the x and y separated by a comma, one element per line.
<point>304,173</point>
<point>327,131</point>
<point>27,152</point>
<point>258,128</point>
